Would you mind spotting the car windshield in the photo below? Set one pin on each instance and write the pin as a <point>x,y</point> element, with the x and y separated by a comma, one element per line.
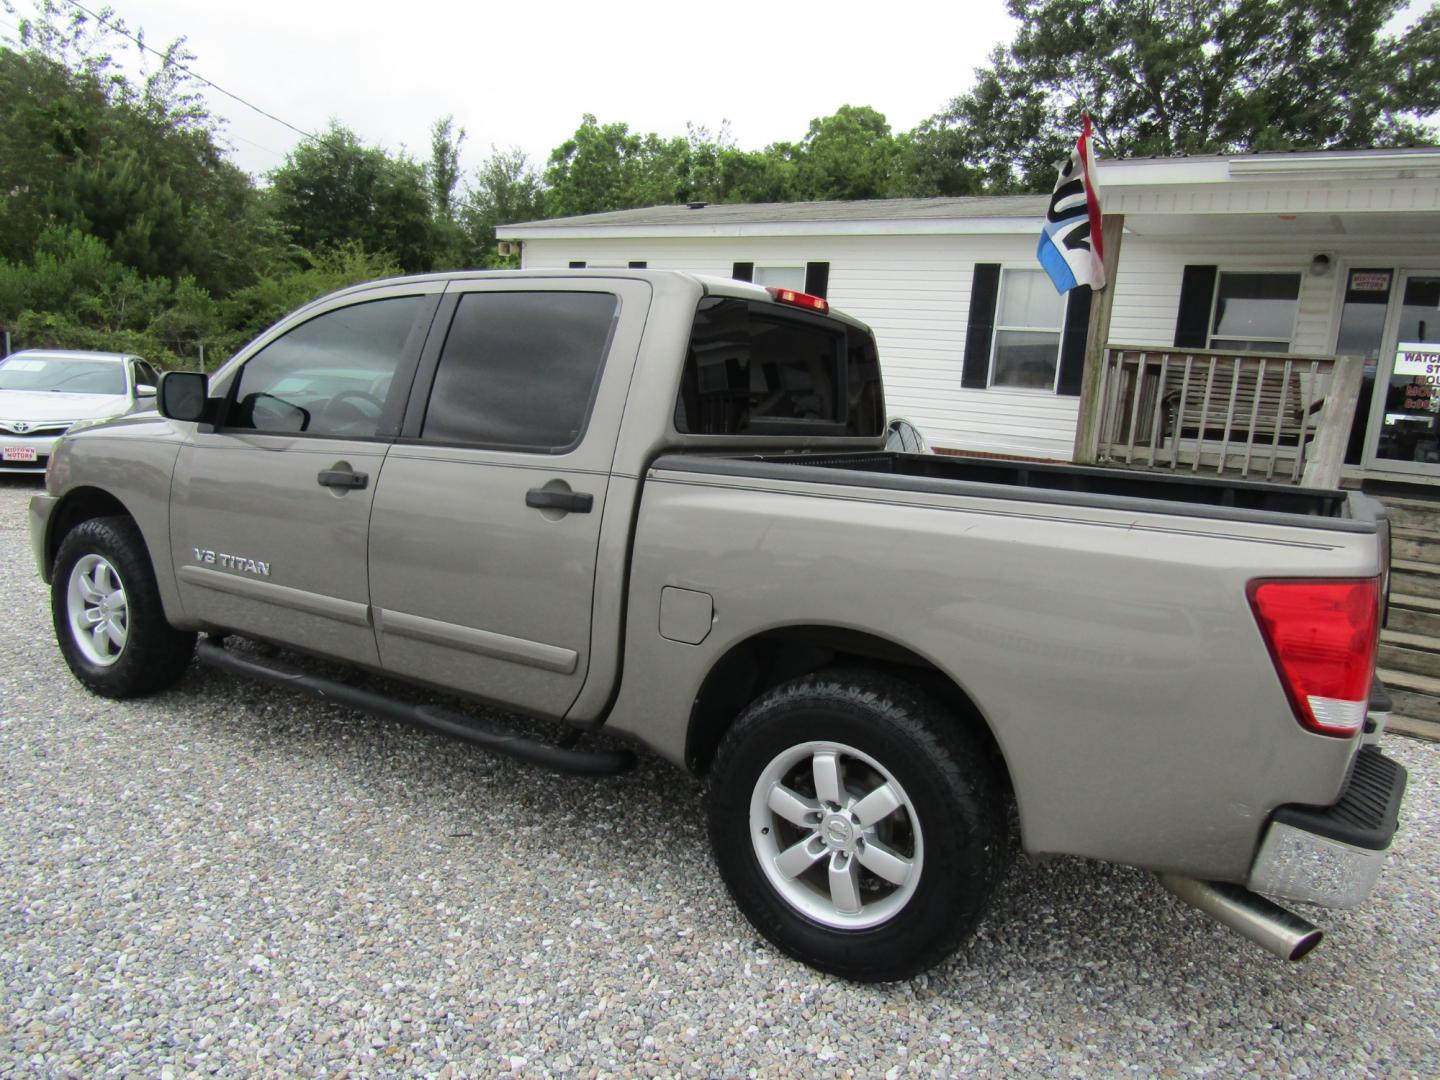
<point>62,376</point>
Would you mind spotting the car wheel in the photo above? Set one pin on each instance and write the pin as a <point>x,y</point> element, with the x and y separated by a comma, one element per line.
<point>108,619</point>
<point>857,823</point>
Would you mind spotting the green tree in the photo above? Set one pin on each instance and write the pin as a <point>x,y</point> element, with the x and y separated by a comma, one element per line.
<point>758,176</point>
<point>335,190</point>
<point>122,223</point>
<point>609,167</point>
<point>72,293</point>
<point>1167,77</point>
<point>250,310</point>
<point>504,190</point>
<point>442,174</point>
<point>849,155</point>
<point>135,164</point>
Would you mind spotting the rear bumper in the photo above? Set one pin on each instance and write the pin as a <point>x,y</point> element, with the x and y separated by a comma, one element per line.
<point>1332,855</point>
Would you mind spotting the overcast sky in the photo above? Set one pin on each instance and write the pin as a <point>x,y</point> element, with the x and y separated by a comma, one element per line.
<point>522,73</point>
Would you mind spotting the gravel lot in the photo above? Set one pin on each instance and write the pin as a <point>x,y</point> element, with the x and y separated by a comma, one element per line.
<point>228,880</point>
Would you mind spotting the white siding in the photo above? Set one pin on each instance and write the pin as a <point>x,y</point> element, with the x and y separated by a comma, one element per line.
<point>1147,296</point>
<point>914,291</point>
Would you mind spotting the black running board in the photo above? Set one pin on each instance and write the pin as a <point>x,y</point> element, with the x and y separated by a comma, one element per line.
<point>446,722</point>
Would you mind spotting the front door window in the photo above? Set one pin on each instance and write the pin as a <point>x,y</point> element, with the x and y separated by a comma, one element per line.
<point>329,376</point>
<point>1409,429</point>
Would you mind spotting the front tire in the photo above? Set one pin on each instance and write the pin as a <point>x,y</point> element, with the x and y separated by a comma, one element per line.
<point>858,825</point>
<point>109,621</point>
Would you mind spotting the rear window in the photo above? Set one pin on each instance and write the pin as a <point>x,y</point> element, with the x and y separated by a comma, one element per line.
<point>756,369</point>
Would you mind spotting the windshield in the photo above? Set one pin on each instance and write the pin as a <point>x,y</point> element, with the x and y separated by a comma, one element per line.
<point>62,376</point>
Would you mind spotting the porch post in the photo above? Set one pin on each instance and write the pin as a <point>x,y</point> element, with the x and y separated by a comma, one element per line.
<point>1326,459</point>
<point>1087,424</point>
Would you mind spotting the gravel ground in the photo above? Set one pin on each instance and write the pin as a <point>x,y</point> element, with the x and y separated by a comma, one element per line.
<point>225,879</point>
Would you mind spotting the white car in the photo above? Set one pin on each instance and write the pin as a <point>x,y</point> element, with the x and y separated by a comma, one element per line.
<point>43,392</point>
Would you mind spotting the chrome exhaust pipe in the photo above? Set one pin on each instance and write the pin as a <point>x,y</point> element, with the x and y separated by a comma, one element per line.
<point>1250,915</point>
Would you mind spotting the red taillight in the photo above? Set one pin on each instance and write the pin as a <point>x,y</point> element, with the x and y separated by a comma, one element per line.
<point>1322,637</point>
<point>799,299</point>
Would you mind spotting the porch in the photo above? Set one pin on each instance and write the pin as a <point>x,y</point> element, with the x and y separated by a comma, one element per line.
<point>1276,321</point>
<point>1248,415</point>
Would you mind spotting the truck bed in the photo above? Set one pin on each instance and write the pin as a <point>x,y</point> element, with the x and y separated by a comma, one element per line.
<point>1152,492</point>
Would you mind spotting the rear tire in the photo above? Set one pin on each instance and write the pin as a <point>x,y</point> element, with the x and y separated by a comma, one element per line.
<point>858,825</point>
<point>109,621</point>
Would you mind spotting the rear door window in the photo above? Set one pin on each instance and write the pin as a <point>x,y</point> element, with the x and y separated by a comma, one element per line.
<point>757,369</point>
<point>519,370</point>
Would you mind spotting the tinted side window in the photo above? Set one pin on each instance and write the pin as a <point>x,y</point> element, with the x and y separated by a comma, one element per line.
<point>145,374</point>
<point>754,369</point>
<point>519,369</point>
<point>328,376</point>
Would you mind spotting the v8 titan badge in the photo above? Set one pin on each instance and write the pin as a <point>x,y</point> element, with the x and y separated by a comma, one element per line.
<point>232,562</point>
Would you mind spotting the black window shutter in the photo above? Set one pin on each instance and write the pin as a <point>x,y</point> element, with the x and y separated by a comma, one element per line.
<point>579,264</point>
<point>984,290</point>
<point>1197,297</point>
<point>637,264</point>
<point>743,272</point>
<point>817,278</point>
<point>1072,341</point>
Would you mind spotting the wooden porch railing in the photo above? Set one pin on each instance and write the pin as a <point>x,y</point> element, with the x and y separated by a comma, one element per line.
<point>1258,416</point>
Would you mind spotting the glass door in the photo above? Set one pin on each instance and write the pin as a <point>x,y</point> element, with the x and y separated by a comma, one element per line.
<point>1405,418</point>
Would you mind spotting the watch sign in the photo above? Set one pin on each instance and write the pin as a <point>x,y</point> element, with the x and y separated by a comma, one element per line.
<point>1421,362</point>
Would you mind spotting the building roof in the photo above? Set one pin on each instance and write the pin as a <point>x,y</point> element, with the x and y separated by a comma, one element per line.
<point>1301,181</point>
<point>978,206</point>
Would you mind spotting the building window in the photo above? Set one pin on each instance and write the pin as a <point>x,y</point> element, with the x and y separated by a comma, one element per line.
<point>1029,320</point>
<point>780,277</point>
<point>1254,312</point>
<point>812,278</point>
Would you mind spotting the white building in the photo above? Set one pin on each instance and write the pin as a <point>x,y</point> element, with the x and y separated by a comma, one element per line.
<point>1305,254</point>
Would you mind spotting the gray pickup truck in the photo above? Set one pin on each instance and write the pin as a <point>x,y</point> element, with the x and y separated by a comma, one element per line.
<point>660,506</point>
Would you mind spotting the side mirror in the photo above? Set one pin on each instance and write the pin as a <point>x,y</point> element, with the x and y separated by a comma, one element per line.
<point>182,395</point>
<point>143,390</point>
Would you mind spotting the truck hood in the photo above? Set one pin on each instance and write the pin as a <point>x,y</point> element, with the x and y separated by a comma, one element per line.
<point>34,406</point>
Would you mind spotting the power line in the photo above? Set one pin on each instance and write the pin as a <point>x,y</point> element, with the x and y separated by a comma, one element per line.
<point>252,142</point>
<point>193,73</point>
